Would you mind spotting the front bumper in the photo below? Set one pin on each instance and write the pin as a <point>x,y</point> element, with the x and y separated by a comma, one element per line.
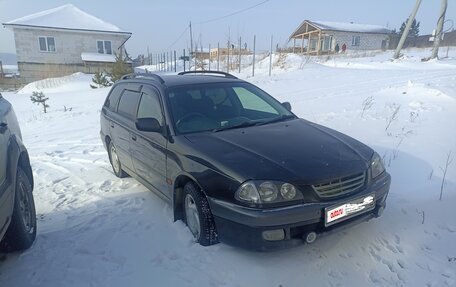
<point>244,226</point>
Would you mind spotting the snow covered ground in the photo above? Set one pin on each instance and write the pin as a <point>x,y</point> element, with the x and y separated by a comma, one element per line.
<point>97,230</point>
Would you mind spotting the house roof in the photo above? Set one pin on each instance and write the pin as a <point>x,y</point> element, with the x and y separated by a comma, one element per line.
<point>67,17</point>
<point>341,27</point>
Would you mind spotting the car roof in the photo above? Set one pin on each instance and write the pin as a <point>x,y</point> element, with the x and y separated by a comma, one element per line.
<point>170,81</point>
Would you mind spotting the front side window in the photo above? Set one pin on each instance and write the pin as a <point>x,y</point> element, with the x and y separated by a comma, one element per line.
<point>47,44</point>
<point>104,47</point>
<point>221,106</point>
<point>149,107</point>
<point>355,40</point>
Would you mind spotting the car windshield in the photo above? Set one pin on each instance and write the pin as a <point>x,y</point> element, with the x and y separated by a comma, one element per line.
<point>222,106</point>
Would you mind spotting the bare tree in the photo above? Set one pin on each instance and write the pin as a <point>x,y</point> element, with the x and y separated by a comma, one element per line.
<point>444,169</point>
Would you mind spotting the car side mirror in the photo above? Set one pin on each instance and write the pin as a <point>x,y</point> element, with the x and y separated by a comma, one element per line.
<point>148,125</point>
<point>287,105</point>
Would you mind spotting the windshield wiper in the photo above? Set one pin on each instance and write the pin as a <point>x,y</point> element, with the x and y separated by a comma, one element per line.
<point>277,119</point>
<point>241,125</point>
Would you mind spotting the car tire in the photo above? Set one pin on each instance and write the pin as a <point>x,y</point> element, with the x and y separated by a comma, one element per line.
<point>198,215</point>
<point>115,161</point>
<point>22,230</point>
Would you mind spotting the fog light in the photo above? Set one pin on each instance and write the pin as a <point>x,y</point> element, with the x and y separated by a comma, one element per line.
<point>274,235</point>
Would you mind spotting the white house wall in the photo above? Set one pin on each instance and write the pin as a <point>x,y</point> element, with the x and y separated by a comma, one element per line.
<point>367,41</point>
<point>68,44</point>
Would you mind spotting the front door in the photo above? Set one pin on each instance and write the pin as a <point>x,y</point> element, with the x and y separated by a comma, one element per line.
<point>149,148</point>
<point>4,136</point>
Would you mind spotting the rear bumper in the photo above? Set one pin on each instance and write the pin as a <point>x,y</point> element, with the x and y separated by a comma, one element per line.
<point>244,226</point>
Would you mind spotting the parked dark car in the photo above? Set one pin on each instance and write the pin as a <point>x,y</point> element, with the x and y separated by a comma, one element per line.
<point>237,165</point>
<point>17,208</point>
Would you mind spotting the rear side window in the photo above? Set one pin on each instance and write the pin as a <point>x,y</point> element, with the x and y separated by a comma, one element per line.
<point>128,103</point>
<point>113,98</point>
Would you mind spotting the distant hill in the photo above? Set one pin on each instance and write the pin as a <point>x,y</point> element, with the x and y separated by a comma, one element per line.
<point>8,58</point>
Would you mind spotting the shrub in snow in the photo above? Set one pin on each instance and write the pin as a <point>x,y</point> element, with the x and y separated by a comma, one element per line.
<point>120,68</point>
<point>40,99</point>
<point>414,30</point>
<point>100,80</point>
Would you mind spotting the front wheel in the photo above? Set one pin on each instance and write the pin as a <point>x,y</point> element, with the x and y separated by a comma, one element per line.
<point>22,230</point>
<point>198,216</point>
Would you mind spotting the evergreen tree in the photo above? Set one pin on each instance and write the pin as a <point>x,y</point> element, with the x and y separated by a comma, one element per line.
<point>40,99</point>
<point>120,68</point>
<point>414,29</point>
<point>100,80</point>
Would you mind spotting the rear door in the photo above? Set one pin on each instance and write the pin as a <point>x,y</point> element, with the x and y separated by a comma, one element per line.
<point>123,124</point>
<point>149,148</point>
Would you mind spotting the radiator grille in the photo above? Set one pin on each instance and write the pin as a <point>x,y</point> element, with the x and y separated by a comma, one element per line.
<point>340,186</point>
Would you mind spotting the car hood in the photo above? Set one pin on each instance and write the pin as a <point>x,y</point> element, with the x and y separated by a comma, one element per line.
<point>297,151</point>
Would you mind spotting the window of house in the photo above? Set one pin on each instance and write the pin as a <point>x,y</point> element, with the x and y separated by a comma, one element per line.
<point>355,40</point>
<point>327,43</point>
<point>104,47</point>
<point>47,44</point>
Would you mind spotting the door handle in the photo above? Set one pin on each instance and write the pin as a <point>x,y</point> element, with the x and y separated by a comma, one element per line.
<point>3,128</point>
<point>133,137</point>
<point>112,125</point>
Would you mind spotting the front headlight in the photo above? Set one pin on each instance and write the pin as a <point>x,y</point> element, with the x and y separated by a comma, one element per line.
<point>377,167</point>
<point>267,192</point>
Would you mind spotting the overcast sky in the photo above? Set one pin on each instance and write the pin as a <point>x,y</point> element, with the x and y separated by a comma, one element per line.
<point>158,24</point>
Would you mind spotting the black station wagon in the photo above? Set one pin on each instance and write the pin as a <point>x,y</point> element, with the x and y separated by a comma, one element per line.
<point>237,165</point>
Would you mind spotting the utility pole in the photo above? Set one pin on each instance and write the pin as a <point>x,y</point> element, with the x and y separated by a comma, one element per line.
<point>191,48</point>
<point>439,31</point>
<point>407,29</point>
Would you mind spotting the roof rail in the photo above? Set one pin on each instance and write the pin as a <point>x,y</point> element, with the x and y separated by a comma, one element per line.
<point>143,75</point>
<point>208,72</point>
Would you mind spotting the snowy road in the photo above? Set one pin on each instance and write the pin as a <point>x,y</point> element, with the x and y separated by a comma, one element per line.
<point>98,230</point>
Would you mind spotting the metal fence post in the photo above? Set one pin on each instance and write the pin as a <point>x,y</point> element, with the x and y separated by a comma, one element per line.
<point>218,56</point>
<point>270,59</point>
<point>183,58</point>
<point>253,62</point>
<point>209,68</point>
<point>240,55</point>
<point>175,61</point>
<point>228,62</point>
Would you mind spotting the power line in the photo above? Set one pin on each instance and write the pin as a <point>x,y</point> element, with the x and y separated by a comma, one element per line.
<point>178,38</point>
<point>234,13</point>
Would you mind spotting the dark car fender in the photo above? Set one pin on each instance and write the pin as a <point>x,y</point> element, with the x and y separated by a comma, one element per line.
<point>210,182</point>
<point>18,156</point>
